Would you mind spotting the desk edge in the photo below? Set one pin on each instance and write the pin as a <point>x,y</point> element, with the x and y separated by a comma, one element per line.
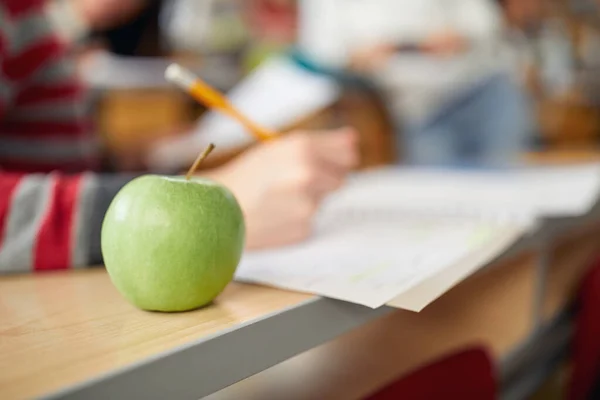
<point>241,351</point>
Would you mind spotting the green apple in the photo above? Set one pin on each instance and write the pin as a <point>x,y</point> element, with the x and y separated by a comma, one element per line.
<point>170,244</point>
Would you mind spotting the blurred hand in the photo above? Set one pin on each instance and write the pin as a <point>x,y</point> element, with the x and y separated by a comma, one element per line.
<point>280,184</point>
<point>371,58</point>
<point>105,14</point>
<point>445,43</point>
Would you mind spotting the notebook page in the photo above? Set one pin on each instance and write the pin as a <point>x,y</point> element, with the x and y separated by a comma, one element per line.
<point>565,190</point>
<point>505,195</point>
<point>432,287</point>
<point>276,95</point>
<point>403,237</point>
<point>370,259</point>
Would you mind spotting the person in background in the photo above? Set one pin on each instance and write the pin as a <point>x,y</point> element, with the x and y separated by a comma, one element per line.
<point>208,27</point>
<point>273,25</point>
<point>542,41</point>
<point>52,201</point>
<point>439,63</point>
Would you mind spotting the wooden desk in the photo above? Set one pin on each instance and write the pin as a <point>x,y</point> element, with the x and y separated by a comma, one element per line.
<point>64,329</point>
<point>61,329</point>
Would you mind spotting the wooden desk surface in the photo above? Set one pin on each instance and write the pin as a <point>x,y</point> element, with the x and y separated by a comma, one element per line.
<point>61,329</point>
<point>57,329</point>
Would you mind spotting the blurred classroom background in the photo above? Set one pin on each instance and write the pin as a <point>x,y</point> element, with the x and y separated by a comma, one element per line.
<point>551,49</point>
<point>547,51</point>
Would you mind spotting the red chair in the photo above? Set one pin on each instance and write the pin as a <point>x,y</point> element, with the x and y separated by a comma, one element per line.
<point>586,342</point>
<point>467,375</point>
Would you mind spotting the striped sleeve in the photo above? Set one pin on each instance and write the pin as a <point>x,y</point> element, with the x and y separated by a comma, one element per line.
<point>53,221</point>
<point>46,126</point>
<point>49,220</point>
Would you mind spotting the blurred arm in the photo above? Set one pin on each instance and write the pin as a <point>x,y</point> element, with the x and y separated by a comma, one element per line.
<point>47,220</point>
<point>53,221</point>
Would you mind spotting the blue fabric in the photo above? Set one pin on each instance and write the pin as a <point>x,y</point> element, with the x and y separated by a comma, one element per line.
<point>489,126</point>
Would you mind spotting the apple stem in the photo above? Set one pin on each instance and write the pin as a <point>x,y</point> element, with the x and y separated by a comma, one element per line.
<point>199,160</point>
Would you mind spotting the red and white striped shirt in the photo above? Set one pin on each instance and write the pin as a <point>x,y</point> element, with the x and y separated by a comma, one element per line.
<point>50,211</point>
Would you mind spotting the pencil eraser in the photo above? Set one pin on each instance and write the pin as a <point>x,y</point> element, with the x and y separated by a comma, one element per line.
<point>179,75</point>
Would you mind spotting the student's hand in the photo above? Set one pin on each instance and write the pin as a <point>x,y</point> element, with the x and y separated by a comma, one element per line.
<point>372,58</point>
<point>280,184</point>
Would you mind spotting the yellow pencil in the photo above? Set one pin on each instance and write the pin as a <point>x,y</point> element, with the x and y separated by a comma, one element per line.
<point>211,98</point>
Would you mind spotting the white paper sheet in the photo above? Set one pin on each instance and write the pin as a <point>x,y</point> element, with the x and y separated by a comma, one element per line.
<point>277,94</point>
<point>433,286</point>
<point>404,237</point>
<point>497,195</point>
<point>564,190</point>
<point>371,260</point>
